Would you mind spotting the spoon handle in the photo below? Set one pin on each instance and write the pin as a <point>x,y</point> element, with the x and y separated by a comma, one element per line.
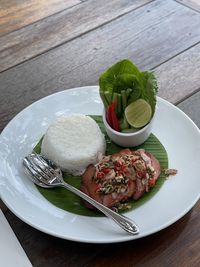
<point>124,222</point>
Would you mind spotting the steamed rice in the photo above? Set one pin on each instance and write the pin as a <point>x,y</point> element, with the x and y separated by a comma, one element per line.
<point>73,142</point>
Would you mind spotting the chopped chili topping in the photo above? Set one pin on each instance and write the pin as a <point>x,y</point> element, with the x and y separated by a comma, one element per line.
<point>115,173</point>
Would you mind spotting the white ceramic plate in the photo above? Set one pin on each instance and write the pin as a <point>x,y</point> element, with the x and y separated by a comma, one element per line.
<point>177,196</point>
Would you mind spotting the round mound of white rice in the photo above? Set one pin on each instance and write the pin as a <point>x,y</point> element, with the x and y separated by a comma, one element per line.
<point>73,142</point>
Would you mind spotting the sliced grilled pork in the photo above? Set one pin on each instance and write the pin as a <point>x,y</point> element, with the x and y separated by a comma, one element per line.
<point>120,176</point>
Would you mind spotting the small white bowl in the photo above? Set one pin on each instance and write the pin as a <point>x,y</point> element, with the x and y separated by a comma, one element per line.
<point>128,139</point>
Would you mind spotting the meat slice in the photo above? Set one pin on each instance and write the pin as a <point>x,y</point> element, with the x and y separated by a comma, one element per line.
<point>89,187</point>
<point>110,200</point>
<point>95,190</point>
<point>143,185</point>
<point>121,176</point>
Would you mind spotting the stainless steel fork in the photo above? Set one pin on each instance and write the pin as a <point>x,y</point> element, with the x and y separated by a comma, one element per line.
<point>45,173</point>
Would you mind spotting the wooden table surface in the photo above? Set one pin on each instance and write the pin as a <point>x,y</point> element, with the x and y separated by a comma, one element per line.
<point>49,46</point>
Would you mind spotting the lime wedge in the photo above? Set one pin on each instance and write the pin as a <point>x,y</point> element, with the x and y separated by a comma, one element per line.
<point>138,113</point>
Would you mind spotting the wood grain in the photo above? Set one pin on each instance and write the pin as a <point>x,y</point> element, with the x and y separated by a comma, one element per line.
<point>17,14</point>
<point>81,61</point>
<point>62,27</point>
<point>191,106</point>
<point>194,4</point>
<point>179,77</point>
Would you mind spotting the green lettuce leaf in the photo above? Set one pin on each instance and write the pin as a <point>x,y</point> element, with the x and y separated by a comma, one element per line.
<point>111,79</point>
<point>149,88</point>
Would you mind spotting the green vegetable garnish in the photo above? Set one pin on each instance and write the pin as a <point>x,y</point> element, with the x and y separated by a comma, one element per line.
<point>123,83</point>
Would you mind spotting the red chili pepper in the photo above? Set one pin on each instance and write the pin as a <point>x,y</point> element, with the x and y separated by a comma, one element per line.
<point>115,121</point>
<point>105,170</point>
<point>152,182</point>
<point>112,117</point>
<point>100,175</point>
<point>119,167</point>
<point>108,116</point>
<point>141,174</point>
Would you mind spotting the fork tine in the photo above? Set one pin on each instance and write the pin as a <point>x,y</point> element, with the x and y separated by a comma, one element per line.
<point>40,158</point>
<point>43,164</point>
<point>33,174</point>
<point>33,177</point>
<point>36,171</point>
<point>27,169</point>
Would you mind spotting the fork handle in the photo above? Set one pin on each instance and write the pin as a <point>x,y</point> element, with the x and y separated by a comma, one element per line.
<point>124,222</point>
